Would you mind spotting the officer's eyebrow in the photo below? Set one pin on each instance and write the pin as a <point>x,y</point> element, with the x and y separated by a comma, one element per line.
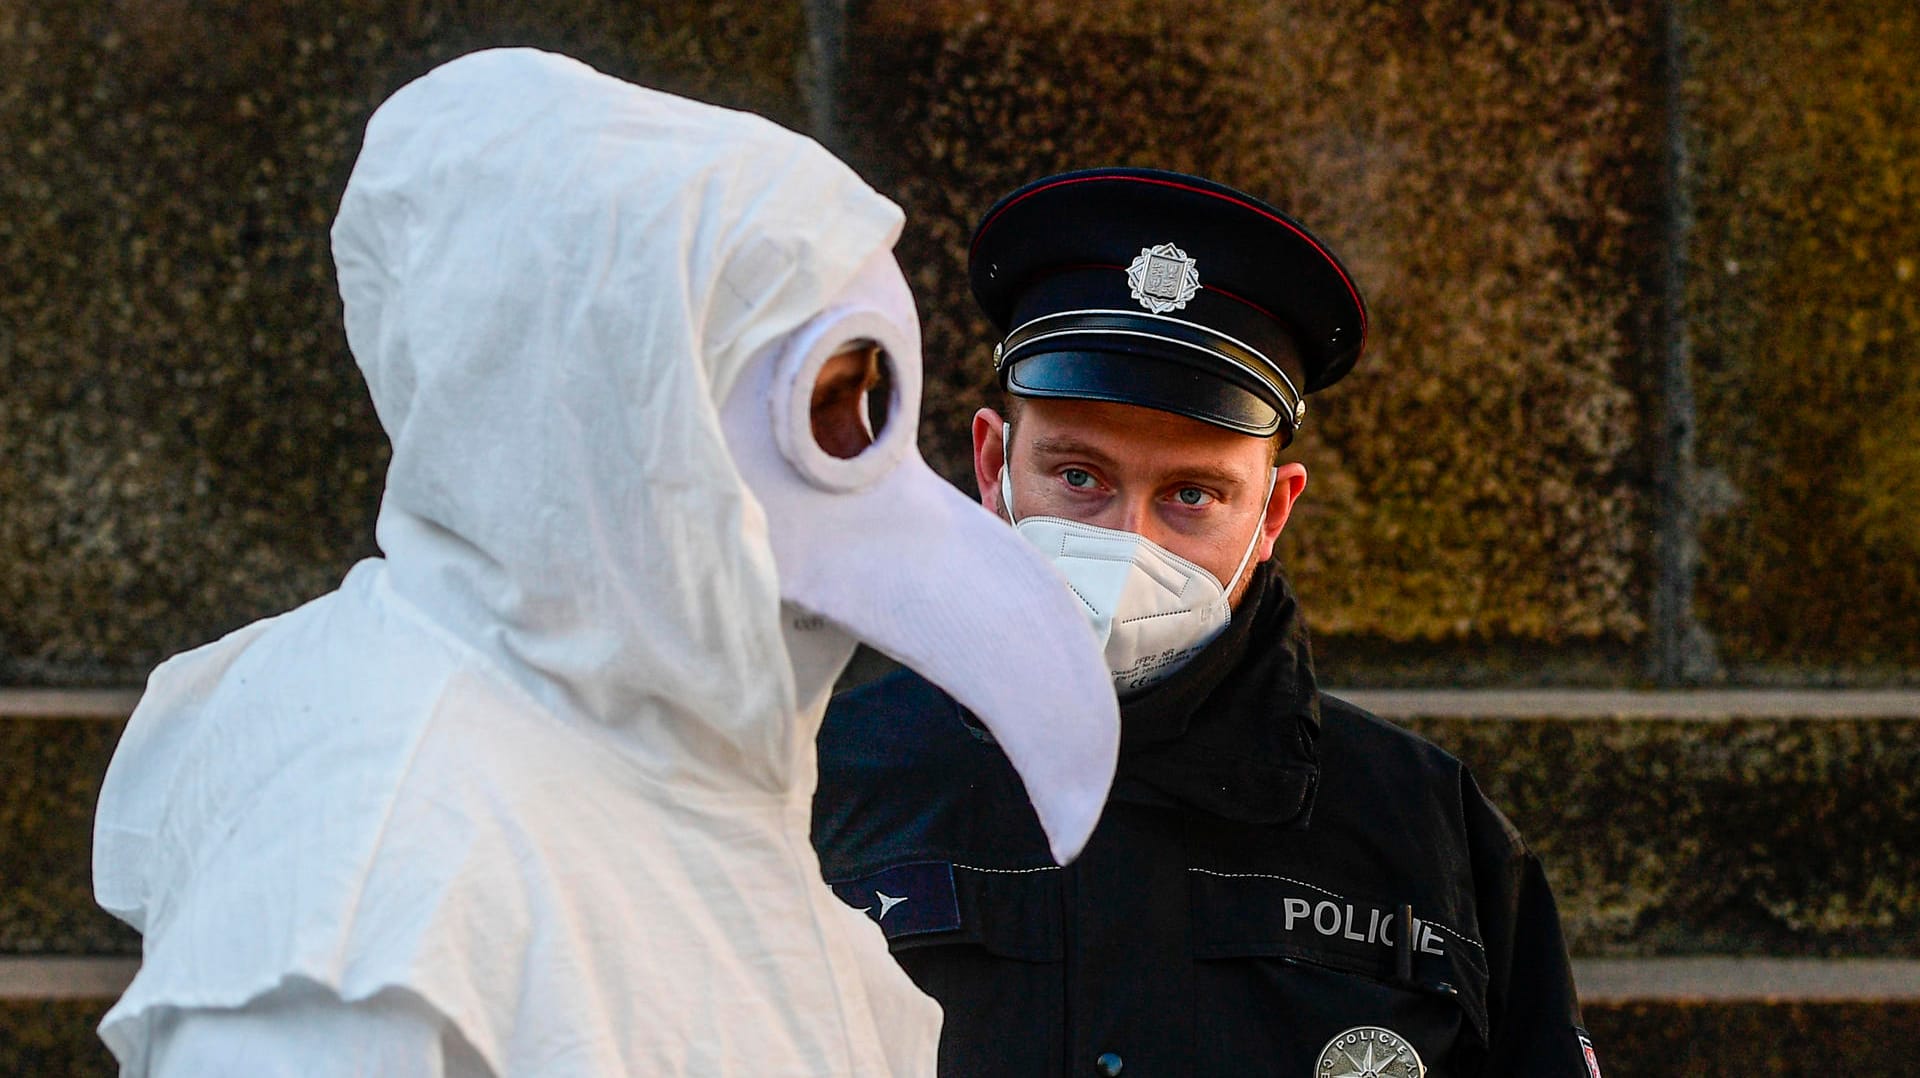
<point>1063,446</point>
<point>1209,475</point>
<point>1057,446</point>
<point>1212,475</point>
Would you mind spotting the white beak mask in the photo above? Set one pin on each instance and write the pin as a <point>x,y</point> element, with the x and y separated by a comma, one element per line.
<point>877,548</point>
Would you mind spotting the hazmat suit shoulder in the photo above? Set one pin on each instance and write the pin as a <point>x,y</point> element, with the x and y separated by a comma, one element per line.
<point>540,765</point>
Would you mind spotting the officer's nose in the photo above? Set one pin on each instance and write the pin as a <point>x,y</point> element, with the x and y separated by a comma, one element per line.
<point>1136,515</point>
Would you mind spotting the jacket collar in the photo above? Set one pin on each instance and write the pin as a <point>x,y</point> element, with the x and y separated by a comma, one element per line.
<point>1232,732</point>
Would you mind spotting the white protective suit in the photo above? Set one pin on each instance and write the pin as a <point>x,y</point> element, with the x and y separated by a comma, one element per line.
<point>529,795</point>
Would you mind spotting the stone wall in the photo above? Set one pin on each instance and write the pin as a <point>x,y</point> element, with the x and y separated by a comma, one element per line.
<point>1804,301</point>
<point>188,446</point>
<point>1645,277</point>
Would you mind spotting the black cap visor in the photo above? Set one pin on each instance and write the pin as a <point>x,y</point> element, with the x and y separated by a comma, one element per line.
<point>1222,397</point>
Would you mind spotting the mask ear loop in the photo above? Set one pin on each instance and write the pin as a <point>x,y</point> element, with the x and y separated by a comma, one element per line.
<point>1273,480</point>
<point>1006,472</point>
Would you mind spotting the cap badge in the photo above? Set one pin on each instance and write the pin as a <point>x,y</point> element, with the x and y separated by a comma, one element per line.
<point>1163,278</point>
<point>1369,1052</point>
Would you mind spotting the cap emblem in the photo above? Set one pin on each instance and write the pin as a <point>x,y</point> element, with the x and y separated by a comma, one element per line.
<point>1163,278</point>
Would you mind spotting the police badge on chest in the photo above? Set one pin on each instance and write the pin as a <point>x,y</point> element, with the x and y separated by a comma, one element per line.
<point>1369,1052</point>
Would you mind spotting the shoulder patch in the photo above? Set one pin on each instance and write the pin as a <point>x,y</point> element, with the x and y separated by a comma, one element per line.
<point>907,899</point>
<point>1586,1049</point>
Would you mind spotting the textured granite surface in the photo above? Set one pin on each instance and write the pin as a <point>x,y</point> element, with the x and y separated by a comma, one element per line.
<point>1482,174</point>
<point>1661,837</point>
<point>1664,837</point>
<point>186,445</point>
<point>53,772</point>
<point>1805,300</point>
<point>53,1039</point>
<point>184,441</point>
<point>1750,1040</point>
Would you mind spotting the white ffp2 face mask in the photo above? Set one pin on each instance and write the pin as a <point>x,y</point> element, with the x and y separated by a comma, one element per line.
<point>1152,608</point>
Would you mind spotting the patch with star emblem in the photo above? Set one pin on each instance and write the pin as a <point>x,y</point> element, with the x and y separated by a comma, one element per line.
<point>905,900</point>
<point>1369,1052</point>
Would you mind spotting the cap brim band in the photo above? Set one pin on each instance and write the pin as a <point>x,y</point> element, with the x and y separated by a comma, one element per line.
<point>1148,381</point>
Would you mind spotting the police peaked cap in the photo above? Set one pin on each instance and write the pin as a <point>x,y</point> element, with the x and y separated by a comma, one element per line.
<point>1167,291</point>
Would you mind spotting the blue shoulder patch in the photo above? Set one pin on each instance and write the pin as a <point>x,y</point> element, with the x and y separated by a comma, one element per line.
<point>906,900</point>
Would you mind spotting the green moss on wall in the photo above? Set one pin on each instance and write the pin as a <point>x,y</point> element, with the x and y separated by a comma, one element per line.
<point>1665,837</point>
<point>1805,300</point>
<point>186,445</point>
<point>53,1039</point>
<point>1482,174</point>
<point>53,774</point>
<point>1659,1039</point>
<point>184,442</point>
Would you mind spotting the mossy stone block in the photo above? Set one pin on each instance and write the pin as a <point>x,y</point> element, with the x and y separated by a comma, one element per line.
<point>53,1039</point>
<point>1659,1039</point>
<point>1671,837</point>
<point>1804,300</point>
<point>1484,173</point>
<point>185,444</point>
<point>51,784</point>
<point>1661,837</point>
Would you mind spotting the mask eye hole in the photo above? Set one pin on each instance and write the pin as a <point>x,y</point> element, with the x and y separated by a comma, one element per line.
<point>852,398</point>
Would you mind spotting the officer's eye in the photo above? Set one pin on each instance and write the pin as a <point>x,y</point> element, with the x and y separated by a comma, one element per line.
<point>1192,497</point>
<point>1078,478</point>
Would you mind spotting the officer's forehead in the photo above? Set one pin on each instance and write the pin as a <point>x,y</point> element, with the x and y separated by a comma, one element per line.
<point>1120,428</point>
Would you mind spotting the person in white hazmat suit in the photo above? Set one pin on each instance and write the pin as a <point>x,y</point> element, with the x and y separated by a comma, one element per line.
<point>529,794</point>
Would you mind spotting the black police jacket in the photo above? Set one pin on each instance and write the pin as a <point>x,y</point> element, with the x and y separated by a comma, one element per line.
<point>1281,884</point>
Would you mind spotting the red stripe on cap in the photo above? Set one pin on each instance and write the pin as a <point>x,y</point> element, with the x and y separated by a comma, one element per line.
<point>1242,203</point>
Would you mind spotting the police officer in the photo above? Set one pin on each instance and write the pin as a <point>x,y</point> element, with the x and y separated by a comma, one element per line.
<point>1281,883</point>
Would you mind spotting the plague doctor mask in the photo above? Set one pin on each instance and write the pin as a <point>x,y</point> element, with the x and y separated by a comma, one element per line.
<point>1152,609</point>
<point>876,548</point>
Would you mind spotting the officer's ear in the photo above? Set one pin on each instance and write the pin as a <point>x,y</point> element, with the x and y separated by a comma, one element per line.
<point>989,458</point>
<point>1289,482</point>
